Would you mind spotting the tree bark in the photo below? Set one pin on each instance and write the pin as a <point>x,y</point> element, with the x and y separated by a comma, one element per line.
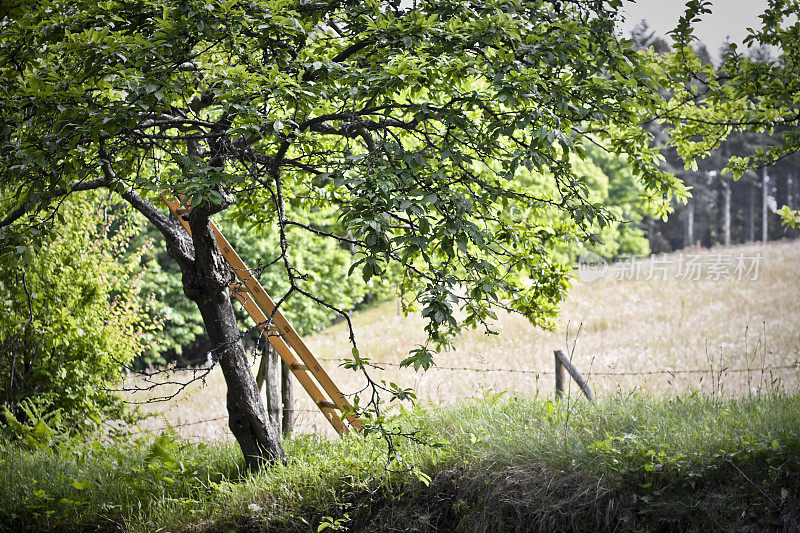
<point>764,208</point>
<point>651,235</point>
<point>205,281</point>
<point>751,219</point>
<point>727,213</point>
<point>273,382</point>
<point>247,418</point>
<point>689,238</point>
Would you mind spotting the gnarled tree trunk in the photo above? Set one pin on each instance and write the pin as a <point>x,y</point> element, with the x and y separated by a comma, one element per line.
<point>247,418</point>
<point>206,277</point>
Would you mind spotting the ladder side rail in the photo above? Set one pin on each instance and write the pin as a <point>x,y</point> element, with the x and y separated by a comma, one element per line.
<point>294,364</point>
<point>284,326</point>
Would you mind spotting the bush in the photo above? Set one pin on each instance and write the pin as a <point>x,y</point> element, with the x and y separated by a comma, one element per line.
<point>70,317</point>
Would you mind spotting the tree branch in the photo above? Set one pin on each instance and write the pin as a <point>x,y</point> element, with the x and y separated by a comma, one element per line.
<point>171,231</point>
<point>77,186</point>
<point>341,56</point>
<point>178,242</point>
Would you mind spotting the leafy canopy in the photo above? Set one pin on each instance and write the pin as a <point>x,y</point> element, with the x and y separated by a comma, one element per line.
<point>407,125</point>
<point>752,90</point>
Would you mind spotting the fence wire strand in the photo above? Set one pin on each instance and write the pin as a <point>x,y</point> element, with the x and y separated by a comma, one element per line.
<point>593,373</point>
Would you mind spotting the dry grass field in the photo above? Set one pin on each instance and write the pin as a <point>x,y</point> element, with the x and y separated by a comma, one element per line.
<point>728,316</point>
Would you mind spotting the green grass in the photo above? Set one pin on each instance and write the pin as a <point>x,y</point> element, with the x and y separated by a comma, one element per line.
<point>629,463</point>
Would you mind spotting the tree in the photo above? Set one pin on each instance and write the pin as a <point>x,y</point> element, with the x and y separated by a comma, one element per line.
<point>406,125</point>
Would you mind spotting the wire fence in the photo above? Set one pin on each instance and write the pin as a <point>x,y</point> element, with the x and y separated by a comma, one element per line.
<point>170,425</point>
<point>590,373</point>
<point>496,370</point>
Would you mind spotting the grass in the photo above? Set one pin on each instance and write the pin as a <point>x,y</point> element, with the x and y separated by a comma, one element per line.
<point>625,327</point>
<point>505,463</point>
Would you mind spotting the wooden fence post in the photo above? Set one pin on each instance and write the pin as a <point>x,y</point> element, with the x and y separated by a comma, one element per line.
<point>273,382</point>
<point>287,399</point>
<point>563,362</point>
<point>559,378</point>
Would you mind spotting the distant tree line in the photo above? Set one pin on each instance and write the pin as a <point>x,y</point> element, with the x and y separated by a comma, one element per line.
<point>721,210</point>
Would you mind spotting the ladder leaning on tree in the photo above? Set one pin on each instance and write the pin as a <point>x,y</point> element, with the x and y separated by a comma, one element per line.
<point>281,335</point>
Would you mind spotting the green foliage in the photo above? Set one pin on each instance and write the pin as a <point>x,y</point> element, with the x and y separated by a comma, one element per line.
<point>163,302</point>
<point>323,263</point>
<point>749,91</point>
<point>37,430</point>
<point>70,318</point>
<point>684,463</point>
<point>791,217</point>
<point>446,145</point>
<point>607,180</point>
<point>90,480</point>
<point>625,194</point>
<point>397,132</point>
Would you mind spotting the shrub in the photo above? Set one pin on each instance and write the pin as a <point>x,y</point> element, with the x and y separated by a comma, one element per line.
<point>70,317</point>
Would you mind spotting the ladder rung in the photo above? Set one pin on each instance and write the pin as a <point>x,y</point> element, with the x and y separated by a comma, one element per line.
<point>296,367</point>
<point>329,405</point>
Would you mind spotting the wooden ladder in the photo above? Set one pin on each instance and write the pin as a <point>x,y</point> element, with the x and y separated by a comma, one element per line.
<point>282,335</point>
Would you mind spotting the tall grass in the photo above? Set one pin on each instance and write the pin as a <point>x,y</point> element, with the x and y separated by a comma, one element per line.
<point>502,463</point>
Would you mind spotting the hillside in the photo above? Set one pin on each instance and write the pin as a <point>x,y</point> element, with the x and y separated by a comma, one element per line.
<point>715,449</point>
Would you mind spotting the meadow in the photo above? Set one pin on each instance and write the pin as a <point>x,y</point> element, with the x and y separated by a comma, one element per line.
<point>723,322</point>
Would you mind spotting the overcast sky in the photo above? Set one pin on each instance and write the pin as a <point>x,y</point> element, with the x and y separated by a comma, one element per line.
<point>729,18</point>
